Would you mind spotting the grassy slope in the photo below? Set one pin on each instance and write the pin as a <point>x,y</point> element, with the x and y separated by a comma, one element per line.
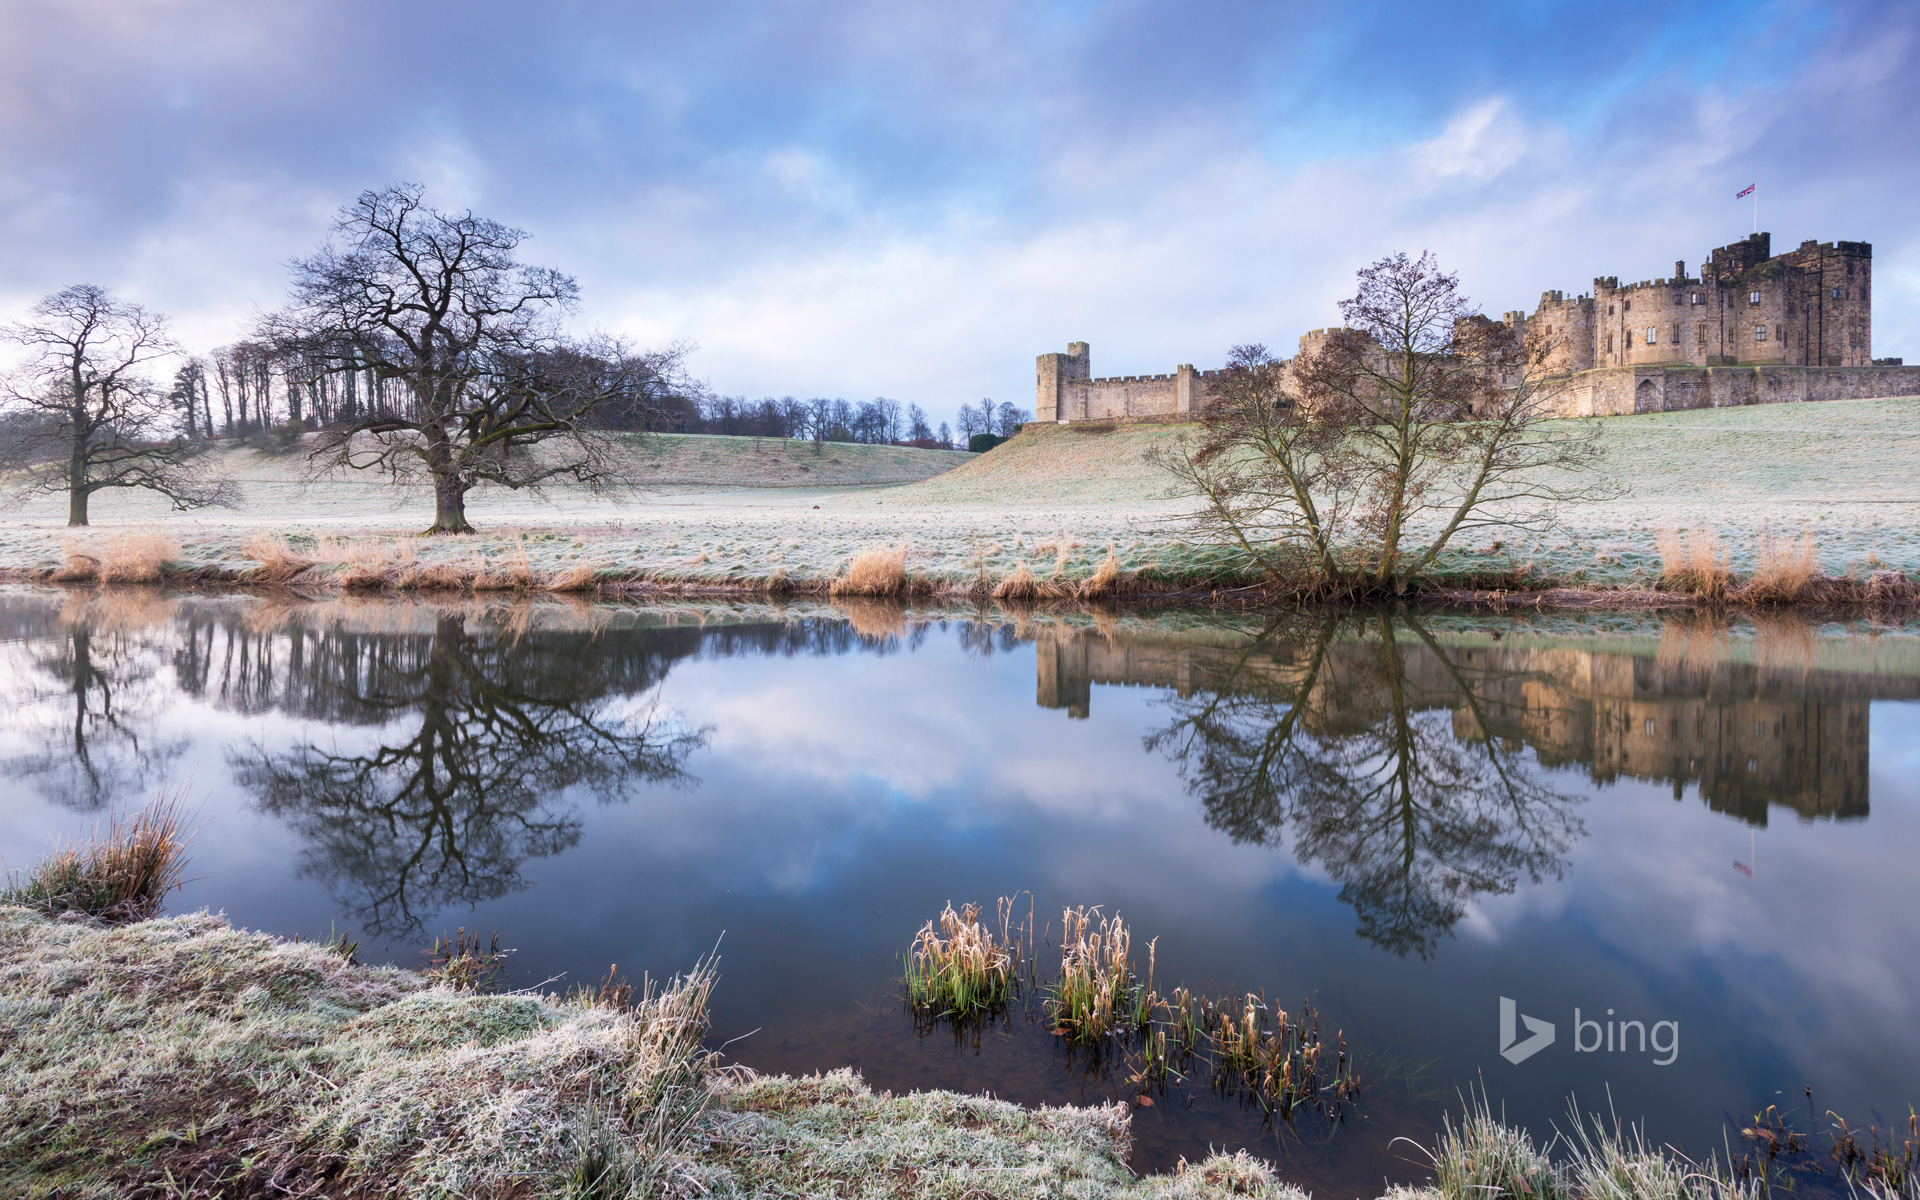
<point>1056,498</point>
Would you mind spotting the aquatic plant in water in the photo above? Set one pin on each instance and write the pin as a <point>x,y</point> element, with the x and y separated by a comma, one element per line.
<point>963,970</point>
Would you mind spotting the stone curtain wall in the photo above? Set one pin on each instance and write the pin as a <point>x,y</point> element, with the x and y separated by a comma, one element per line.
<point>1609,392</point>
<point>1066,391</point>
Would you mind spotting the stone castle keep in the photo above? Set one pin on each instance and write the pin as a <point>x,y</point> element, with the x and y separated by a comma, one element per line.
<point>1750,328</point>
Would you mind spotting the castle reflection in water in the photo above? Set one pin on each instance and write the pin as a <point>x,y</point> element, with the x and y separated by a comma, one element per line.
<point>1750,735</point>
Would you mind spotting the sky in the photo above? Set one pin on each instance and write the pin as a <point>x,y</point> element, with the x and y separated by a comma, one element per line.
<point>914,199</point>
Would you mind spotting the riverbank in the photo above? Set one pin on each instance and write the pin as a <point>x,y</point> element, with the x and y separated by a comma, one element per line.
<point>1823,492</point>
<point>182,1057</point>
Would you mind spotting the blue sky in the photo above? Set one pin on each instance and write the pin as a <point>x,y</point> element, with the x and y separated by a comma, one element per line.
<point>913,200</point>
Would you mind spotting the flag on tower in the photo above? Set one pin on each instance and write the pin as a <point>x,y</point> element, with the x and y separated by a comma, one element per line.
<point>1742,195</point>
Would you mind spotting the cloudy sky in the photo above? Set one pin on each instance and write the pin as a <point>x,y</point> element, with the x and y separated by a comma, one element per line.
<point>912,200</point>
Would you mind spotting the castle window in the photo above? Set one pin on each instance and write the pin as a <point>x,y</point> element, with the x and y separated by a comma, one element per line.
<point>1676,333</point>
<point>1836,293</point>
<point>1698,298</point>
<point>1609,343</point>
<point>1700,335</point>
<point>1626,306</point>
<point>1753,299</point>
<point>1652,335</point>
<point>1759,333</point>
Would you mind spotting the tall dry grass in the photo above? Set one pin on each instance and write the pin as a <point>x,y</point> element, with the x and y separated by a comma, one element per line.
<point>1105,579</point>
<point>117,876</point>
<point>1785,572</point>
<point>581,577</point>
<point>277,561</point>
<point>80,566</point>
<point>876,571</point>
<point>1694,562</point>
<point>365,564</point>
<point>513,574</point>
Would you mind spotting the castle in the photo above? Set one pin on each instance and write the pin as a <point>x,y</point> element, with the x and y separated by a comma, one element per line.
<point>1750,328</point>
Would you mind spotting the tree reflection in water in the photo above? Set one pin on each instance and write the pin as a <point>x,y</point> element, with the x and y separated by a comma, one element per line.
<point>1367,744</point>
<point>495,729</point>
<point>85,693</point>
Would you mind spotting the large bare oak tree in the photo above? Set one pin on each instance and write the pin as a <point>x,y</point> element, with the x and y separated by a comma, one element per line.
<point>1349,470</point>
<point>490,388</point>
<point>82,414</point>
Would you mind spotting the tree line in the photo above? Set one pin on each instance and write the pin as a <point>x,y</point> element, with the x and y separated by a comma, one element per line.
<point>879,421</point>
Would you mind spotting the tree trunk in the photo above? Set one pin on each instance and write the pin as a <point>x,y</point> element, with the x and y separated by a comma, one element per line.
<point>449,504</point>
<point>77,484</point>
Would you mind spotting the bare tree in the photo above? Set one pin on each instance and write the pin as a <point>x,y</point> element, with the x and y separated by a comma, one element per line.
<point>87,415</point>
<point>1353,467</point>
<point>1008,418</point>
<point>489,388</point>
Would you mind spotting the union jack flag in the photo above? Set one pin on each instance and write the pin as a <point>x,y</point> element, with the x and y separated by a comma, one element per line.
<point>1744,193</point>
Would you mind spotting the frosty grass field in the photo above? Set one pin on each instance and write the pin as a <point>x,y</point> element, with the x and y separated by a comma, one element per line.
<point>740,510</point>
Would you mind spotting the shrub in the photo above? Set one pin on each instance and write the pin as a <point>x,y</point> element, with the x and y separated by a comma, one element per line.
<point>980,443</point>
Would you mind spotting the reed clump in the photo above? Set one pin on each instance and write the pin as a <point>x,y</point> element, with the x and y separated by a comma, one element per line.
<point>581,577</point>
<point>364,564</point>
<point>137,556</point>
<point>513,574</point>
<point>1785,572</point>
<point>1280,1057</point>
<point>277,562</point>
<point>1105,579</point>
<point>962,969</point>
<point>79,567</point>
<point>876,571</point>
<point>1097,993</point>
<point>116,876</point>
<point>466,964</point>
<point>1694,562</point>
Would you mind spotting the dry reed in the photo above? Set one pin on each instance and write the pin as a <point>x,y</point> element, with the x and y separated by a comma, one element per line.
<point>1020,585</point>
<point>1104,580</point>
<point>876,571</point>
<point>581,577</point>
<point>1785,572</point>
<point>513,575</point>
<point>119,877</point>
<point>79,567</point>
<point>278,562</point>
<point>364,564</point>
<point>137,556</point>
<point>1694,562</point>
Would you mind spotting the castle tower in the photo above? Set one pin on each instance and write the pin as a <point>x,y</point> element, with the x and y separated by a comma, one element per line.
<point>1053,392</point>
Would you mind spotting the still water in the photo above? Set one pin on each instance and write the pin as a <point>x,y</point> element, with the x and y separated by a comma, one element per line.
<point>1709,830</point>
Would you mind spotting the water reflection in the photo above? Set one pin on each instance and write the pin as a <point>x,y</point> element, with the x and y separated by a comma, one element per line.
<point>1346,736</point>
<point>86,692</point>
<point>484,732</point>
<point>862,765</point>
